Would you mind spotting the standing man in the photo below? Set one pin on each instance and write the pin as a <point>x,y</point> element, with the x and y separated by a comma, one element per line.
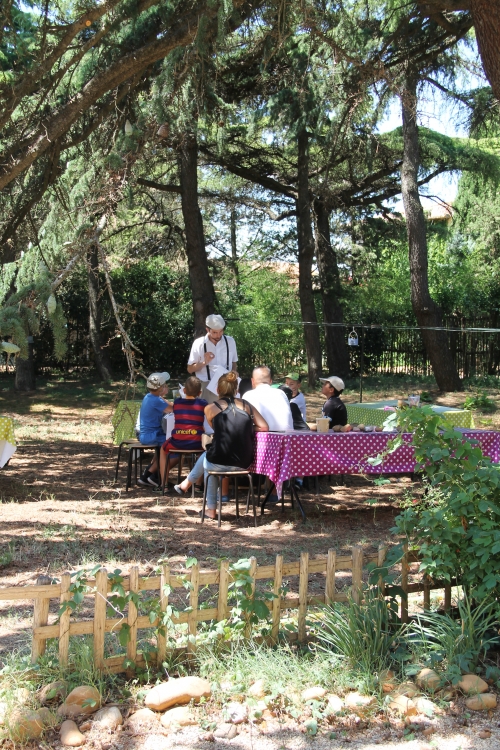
<point>213,349</point>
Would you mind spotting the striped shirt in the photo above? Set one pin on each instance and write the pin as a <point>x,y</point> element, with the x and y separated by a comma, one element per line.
<point>189,414</point>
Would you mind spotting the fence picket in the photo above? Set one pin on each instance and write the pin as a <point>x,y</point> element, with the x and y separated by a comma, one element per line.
<point>222,605</point>
<point>40,617</point>
<point>405,569</point>
<point>100,606</point>
<point>252,571</point>
<point>447,598</point>
<point>162,637</point>
<point>382,553</point>
<point>276,607</point>
<point>193,604</point>
<point>132,617</point>
<point>331,563</point>
<point>357,573</point>
<point>64,620</point>
<point>303,586</point>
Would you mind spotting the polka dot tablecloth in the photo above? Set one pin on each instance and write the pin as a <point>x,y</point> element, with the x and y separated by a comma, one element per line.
<point>281,456</point>
<point>7,440</point>
<point>124,419</point>
<point>373,413</point>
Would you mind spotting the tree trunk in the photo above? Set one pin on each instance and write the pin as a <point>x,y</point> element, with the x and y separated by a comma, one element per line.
<point>306,255</point>
<point>427,312</point>
<point>234,247</point>
<point>101,356</point>
<point>337,355</point>
<point>202,288</point>
<point>486,17</point>
<point>25,371</point>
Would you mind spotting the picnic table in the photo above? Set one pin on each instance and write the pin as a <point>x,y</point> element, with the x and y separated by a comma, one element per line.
<point>374,412</point>
<point>124,419</point>
<point>7,440</point>
<point>283,455</point>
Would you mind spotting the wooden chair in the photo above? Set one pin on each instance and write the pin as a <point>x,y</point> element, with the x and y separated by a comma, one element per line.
<point>220,475</point>
<point>194,453</point>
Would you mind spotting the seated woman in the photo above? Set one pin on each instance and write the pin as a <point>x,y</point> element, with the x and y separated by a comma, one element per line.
<point>232,449</point>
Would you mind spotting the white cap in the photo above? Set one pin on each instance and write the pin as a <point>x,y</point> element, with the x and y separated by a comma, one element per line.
<point>215,322</point>
<point>157,379</point>
<point>335,382</point>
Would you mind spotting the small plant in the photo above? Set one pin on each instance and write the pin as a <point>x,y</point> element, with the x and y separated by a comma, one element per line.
<point>479,402</point>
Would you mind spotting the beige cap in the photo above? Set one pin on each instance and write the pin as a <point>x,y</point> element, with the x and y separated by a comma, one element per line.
<point>215,322</point>
<point>157,379</point>
<point>335,382</point>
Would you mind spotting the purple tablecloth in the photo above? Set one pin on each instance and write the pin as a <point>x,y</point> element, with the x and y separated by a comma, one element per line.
<point>281,456</point>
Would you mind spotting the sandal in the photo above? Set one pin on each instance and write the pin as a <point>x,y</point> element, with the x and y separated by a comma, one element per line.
<point>200,515</point>
<point>179,489</point>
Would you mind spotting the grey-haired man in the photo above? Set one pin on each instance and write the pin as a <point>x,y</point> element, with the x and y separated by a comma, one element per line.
<point>216,348</point>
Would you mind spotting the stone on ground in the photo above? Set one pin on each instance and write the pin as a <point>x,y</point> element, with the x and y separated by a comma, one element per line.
<point>23,696</point>
<point>406,688</point>
<point>25,725</point>
<point>142,718</point>
<point>335,704</point>
<point>180,716</point>
<point>54,691</point>
<point>177,691</point>
<point>403,705</point>
<point>257,689</point>
<point>428,679</point>
<point>109,717</point>
<point>387,680</point>
<point>82,700</point>
<point>48,718</point>
<point>358,703</point>
<point>427,707</point>
<point>70,734</point>
<point>223,730</point>
<point>236,713</point>
<point>313,693</point>
<point>482,702</point>
<point>471,684</point>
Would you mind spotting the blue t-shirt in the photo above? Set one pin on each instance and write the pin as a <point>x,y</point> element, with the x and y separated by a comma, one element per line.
<point>152,409</point>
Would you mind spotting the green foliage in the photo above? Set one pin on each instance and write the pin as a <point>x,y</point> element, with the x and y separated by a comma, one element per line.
<point>455,644</point>
<point>455,522</point>
<point>479,401</point>
<point>367,634</point>
<point>250,603</point>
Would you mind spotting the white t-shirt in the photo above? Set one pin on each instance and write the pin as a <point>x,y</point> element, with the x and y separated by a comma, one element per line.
<point>224,355</point>
<point>273,405</point>
<point>301,403</point>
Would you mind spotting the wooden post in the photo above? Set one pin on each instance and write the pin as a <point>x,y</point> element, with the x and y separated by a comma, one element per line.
<point>100,606</point>
<point>427,594</point>
<point>357,574</point>
<point>162,637</point>
<point>40,618</point>
<point>253,569</point>
<point>303,586</point>
<point>64,620</point>
<point>382,552</point>
<point>132,619</point>
<point>222,608</point>
<point>447,598</point>
<point>276,610</point>
<point>331,563</point>
<point>404,585</point>
<point>193,603</point>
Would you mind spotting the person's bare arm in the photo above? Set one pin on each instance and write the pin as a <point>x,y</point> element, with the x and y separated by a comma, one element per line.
<point>208,357</point>
<point>169,408</point>
<point>258,420</point>
<point>210,411</point>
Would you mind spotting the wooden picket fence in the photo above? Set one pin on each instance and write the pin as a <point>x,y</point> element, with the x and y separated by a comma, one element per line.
<point>325,570</point>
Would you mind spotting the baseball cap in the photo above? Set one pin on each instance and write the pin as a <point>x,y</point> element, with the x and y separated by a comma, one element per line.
<point>215,322</point>
<point>335,382</point>
<point>293,375</point>
<point>157,379</point>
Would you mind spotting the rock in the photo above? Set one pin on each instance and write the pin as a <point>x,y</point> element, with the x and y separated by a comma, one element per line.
<point>23,696</point>
<point>484,734</point>
<point>428,679</point>
<point>70,734</point>
<point>233,731</point>
<point>54,691</point>
<point>447,694</point>
<point>222,731</point>
<point>85,726</point>
<point>25,725</point>
<point>403,705</point>
<point>82,700</point>
<point>428,731</point>
<point>335,704</point>
<point>177,691</point>
<point>236,713</point>
<point>313,694</point>
<point>471,684</point>
<point>427,707</point>
<point>358,703</point>
<point>48,718</point>
<point>208,737</point>
<point>109,717</point>
<point>180,716</point>
<point>144,717</point>
<point>387,680</point>
<point>406,688</point>
<point>481,702</point>
<point>257,689</point>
